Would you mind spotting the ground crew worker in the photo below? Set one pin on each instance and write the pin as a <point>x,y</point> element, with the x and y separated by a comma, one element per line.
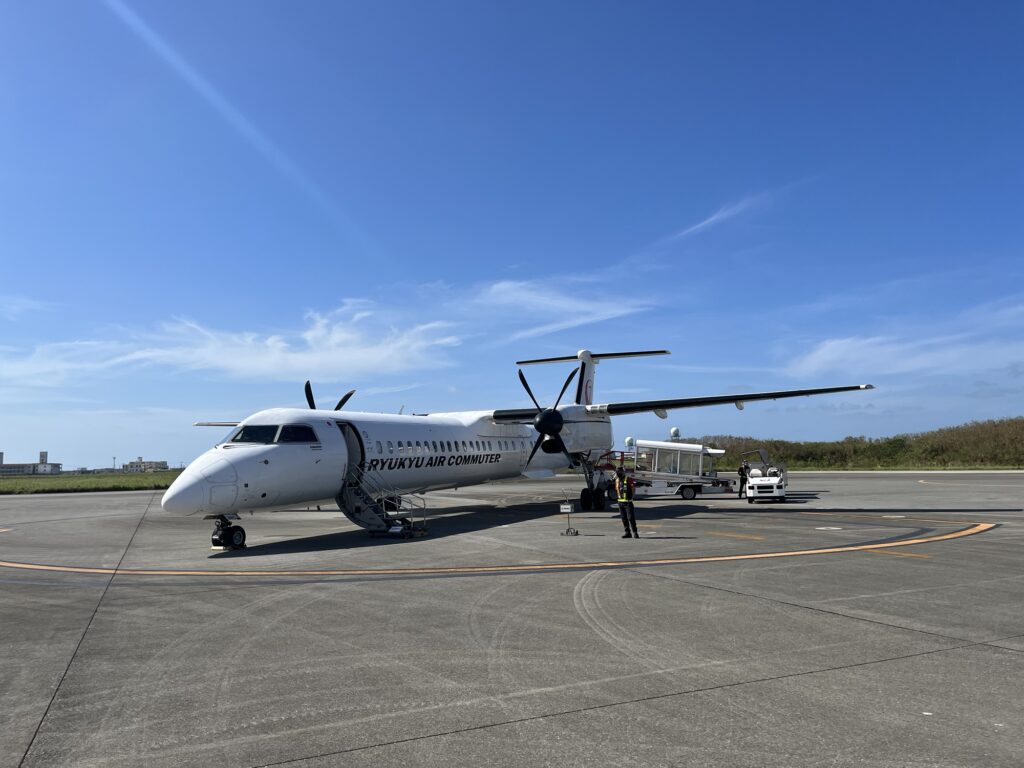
<point>625,489</point>
<point>744,472</point>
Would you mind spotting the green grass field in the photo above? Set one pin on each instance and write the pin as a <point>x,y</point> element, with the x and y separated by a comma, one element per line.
<point>74,483</point>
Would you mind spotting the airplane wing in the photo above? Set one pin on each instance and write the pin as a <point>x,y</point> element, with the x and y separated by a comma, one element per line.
<point>616,409</point>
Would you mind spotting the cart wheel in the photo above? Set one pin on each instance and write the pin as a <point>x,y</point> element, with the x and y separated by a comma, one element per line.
<point>688,492</point>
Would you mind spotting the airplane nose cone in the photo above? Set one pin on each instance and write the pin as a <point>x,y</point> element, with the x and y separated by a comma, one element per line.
<point>186,496</point>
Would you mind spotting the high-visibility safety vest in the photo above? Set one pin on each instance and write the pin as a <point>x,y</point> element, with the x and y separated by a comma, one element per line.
<point>625,486</point>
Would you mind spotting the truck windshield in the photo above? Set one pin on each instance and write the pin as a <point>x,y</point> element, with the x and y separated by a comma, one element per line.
<point>256,433</point>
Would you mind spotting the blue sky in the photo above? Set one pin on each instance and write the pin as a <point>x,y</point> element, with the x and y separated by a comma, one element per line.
<point>204,204</point>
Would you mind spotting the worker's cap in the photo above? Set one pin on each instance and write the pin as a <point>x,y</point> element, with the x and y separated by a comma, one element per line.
<point>620,471</point>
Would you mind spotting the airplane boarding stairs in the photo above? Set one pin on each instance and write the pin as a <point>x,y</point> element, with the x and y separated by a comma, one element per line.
<point>370,503</point>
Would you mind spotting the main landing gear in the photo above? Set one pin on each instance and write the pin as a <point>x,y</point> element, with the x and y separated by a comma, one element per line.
<point>225,535</point>
<point>593,496</point>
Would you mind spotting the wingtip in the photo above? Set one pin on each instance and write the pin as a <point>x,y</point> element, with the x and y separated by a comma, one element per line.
<point>867,386</point>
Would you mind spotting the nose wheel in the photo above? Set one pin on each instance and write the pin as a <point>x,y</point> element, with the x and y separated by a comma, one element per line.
<point>225,535</point>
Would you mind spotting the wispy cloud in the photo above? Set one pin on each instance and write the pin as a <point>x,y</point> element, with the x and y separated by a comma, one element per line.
<point>561,309</point>
<point>354,342</point>
<point>984,338</point>
<point>341,345</point>
<point>726,213</point>
<point>722,215</point>
<point>371,391</point>
<point>234,117</point>
<point>13,307</point>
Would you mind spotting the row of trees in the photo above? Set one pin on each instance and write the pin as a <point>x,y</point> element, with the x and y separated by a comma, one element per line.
<point>979,444</point>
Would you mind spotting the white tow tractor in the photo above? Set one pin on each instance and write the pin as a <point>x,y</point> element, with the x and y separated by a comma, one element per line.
<point>766,480</point>
<point>671,467</point>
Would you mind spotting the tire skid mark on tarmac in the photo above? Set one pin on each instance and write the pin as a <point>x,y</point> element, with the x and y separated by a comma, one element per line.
<point>506,569</point>
<point>586,599</point>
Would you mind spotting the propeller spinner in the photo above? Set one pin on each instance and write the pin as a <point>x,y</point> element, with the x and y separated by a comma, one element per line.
<point>548,422</point>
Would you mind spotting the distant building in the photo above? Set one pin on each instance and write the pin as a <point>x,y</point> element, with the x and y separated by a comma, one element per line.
<point>43,467</point>
<point>144,466</point>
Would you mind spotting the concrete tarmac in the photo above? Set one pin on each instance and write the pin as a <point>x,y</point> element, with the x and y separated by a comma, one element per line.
<point>815,632</point>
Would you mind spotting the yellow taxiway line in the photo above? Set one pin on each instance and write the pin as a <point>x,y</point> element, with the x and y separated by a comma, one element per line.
<point>487,569</point>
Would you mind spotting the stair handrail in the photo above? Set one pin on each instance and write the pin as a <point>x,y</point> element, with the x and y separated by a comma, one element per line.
<point>374,485</point>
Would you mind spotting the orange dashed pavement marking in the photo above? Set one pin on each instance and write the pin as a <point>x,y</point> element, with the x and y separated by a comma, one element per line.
<point>750,536</point>
<point>897,554</point>
<point>485,569</point>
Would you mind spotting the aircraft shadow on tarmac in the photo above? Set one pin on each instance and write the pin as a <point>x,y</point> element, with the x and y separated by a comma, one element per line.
<point>459,521</point>
<point>440,525</point>
<point>455,522</point>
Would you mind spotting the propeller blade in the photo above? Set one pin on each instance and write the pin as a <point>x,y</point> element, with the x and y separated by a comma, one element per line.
<point>309,396</point>
<point>565,387</point>
<point>540,439</point>
<point>344,399</point>
<point>529,391</point>
<point>565,450</point>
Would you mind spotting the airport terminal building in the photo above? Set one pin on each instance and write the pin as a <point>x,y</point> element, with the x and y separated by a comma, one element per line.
<point>43,467</point>
<point>144,466</point>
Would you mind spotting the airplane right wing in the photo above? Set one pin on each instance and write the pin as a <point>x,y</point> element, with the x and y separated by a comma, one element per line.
<point>641,406</point>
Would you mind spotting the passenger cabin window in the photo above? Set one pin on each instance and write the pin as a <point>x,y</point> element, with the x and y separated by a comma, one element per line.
<point>391,448</point>
<point>297,433</point>
<point>380,448</point>
<point>433,444</point>
<point>256,433</point>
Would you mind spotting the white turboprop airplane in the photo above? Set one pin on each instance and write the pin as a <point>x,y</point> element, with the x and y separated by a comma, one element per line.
<point>368,461</point>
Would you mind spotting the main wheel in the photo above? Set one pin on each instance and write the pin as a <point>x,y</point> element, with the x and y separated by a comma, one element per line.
<point>688,492</point>
<point>235,537</point>
<point>586,500</point>
<point>599,500</point>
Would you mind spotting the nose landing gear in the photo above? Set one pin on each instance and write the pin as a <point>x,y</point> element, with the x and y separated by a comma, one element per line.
<point>225,535</point>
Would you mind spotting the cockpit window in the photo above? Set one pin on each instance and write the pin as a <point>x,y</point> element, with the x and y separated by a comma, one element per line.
<point>297,433</point>
<point>256,433</point>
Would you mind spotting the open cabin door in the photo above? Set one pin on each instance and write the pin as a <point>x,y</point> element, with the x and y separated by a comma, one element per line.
<point>354,446</point>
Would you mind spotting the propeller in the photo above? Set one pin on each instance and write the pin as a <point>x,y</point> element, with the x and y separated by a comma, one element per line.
<point>548,421</point>
<point>312,402</point>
